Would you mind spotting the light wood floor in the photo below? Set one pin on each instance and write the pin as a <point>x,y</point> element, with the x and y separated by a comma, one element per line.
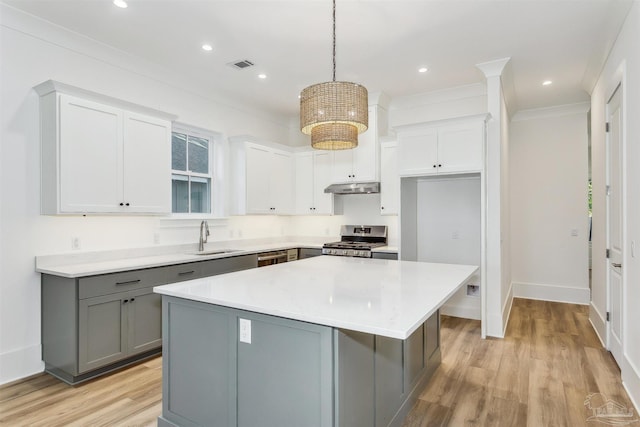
<point>539,375</point>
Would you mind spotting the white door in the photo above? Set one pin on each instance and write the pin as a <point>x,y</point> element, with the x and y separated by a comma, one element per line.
<point>615,242</point>
<point>146,164</point>
<point>389,179</point>
<point>322,202</point>
<point>90,156</point>
<point>258,176</point>
<point>460,148</point>
<point>281,186</point>
<point>304,183</point>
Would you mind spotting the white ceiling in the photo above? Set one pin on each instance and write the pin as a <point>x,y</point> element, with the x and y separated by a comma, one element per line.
<point>380,44</point>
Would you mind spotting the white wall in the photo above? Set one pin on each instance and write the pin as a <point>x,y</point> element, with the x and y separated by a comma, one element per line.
<point>449,229</point>
<point>549,186</point>
<point>623,65</point>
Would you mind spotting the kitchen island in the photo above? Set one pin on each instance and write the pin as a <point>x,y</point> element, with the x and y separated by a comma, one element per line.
<point>326,341</point>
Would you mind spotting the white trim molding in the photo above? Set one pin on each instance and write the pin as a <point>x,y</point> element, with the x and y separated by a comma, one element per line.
<point>598,323</point>
<point>556,111</point>
<point>545,292</point>
<point>631,381</point>
<point>18,364</point>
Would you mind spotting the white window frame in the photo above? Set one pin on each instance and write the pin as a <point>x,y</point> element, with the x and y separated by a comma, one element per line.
<point>215,174</point>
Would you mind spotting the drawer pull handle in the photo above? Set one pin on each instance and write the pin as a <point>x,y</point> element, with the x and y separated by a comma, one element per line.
<point>184,273</point>
<point>128,282</point>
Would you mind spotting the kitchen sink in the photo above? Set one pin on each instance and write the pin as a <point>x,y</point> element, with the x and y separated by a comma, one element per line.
<point>215,251</point>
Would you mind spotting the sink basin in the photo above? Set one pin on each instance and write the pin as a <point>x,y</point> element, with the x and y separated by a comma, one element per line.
<point>214,251</point>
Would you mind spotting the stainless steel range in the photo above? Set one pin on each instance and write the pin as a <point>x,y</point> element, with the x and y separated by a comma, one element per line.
<point>357,241</point>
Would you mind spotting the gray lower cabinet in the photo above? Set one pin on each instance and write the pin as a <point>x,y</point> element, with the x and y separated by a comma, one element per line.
<point>116,326</point>
<point>291,373</point>
<point>93,325</point>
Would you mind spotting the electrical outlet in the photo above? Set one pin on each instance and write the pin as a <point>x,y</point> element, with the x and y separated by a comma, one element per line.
<point>574,232</point>
<point>75,243</point>
<point>245,330</point>
<point>156,238</point>
<point>473,290</point>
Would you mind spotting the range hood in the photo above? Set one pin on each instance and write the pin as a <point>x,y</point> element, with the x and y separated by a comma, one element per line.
<point>354,188</point>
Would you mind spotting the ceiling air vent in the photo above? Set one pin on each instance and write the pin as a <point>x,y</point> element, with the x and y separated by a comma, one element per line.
<point>241,64</point>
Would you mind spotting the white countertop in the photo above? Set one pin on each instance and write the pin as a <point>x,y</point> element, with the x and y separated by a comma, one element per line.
<point>375,296</point>
<point>74,265</point>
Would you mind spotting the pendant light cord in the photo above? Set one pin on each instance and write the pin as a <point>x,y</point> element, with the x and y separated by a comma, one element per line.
<point>334,40</point>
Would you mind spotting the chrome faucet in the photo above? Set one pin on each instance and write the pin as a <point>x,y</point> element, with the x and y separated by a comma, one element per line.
<point>204,233</point>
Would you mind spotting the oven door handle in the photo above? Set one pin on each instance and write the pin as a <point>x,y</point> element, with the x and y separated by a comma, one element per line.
<point>270,257</point>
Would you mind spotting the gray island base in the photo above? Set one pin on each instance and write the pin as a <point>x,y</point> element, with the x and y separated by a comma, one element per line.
<point>291,373</point>
<point>322,342</point>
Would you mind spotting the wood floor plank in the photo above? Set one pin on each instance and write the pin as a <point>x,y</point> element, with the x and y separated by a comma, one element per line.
<point>540,374</point>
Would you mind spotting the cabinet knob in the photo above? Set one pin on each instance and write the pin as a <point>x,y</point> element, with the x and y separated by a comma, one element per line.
<point>382,207</point>
<point>435,166</point>
<point>125,301</point>
<point>132,299</point>
<point>126,204</point>
<point>121,204</point>
<point>439,166</point>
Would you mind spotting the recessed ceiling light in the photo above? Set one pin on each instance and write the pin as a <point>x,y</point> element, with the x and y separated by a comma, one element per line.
<point>262,76</point>
<point>207,47</point>
<point>120,3</point>
<point>423,69</point>
<point>546,82</point>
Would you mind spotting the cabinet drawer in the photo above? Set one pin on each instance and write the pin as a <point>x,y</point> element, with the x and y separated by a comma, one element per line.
<point>177,273</point>
<point>228,265</point>
<point>106,284</point>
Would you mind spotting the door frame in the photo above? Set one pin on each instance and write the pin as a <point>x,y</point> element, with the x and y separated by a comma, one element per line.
<point>618,82</point>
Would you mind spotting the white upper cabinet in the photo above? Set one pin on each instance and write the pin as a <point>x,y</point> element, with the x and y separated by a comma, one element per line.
<point>262,180</point>
<point>98,157</point>
<point>389,179</point>
<point>312,176</point>
<point>443,148</point>
<point>361,163</point>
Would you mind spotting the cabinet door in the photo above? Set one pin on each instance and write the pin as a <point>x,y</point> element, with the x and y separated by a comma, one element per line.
<point>323,202</point>
<point>460,148</point>
<point>304,183</point>
<point>365,155</point>
<point>144,319</point>
<point>418,154</point>
<point>281,183</point>
<point>342,168</point>
<point>389,179</point>
<point>102,331</point>
<point>258,164</point>
<point>147,164</point>
<point>90,156</point>
<point>285,374</point>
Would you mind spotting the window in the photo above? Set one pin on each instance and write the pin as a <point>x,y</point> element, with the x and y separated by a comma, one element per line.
<point>191,177</point>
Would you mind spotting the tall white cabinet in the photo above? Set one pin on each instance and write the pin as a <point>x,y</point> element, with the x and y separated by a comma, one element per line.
<point>101,155</point>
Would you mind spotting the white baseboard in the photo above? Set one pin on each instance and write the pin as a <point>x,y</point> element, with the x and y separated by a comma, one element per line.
<point>461,311</point>
<point>506,310</point>
<point>20,363</point>
<point>552,293</point>
<point>598,323</point>
<point>631,382</point>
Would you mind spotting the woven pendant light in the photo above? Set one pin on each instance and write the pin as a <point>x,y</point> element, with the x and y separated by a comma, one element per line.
<point>334,113</point>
